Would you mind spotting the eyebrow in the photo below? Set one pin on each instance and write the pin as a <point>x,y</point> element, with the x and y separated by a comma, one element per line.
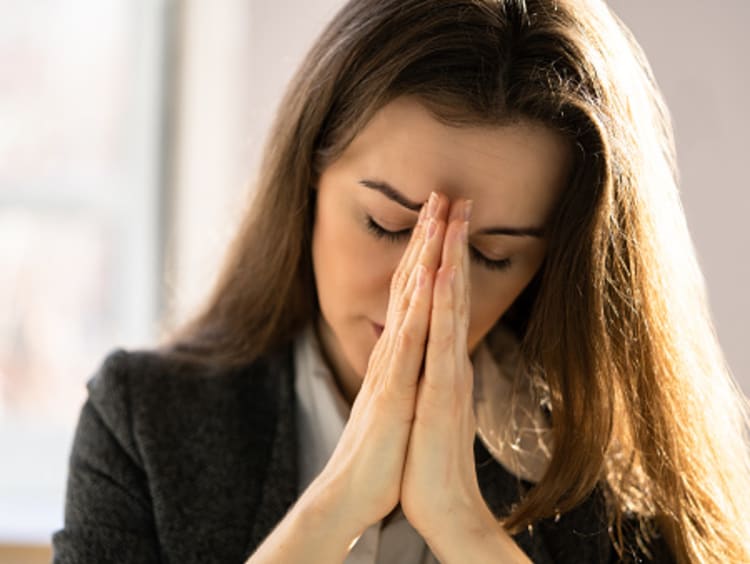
<point>513,231</point>
<point>393,194</point>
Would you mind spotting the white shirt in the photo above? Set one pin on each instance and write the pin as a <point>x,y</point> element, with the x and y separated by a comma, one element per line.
<point>513,430</point>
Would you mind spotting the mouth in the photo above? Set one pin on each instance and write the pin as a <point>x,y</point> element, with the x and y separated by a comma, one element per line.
<point>377,328</point>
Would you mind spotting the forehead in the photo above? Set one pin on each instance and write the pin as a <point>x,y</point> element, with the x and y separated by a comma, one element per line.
<point>512,172</point>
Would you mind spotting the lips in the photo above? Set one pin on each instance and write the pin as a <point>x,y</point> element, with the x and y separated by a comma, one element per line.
<point>377,328</point>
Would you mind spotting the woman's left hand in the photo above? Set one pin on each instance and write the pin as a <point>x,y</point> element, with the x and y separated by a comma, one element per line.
<point>440,493</point>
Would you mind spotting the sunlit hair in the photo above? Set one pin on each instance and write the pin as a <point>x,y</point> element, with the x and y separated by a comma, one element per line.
<point>616,322</point>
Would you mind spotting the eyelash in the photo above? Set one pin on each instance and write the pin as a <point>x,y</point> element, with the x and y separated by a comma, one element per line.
<point>396,236</point>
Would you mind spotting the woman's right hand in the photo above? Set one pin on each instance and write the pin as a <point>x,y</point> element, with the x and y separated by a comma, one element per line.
<point>361,481</point>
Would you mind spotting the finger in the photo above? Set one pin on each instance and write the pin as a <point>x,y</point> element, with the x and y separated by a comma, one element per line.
<point>432,246</point>
<point>417,239</point>
<point>452,258</point>
<point>455,219</point>
<point>397,300</point>
<point>440,356</point>
<point>427,254</point>
<point>462,307</point>
<point>405,264</point>
<point>440,353</point>
<point>446,343</point>
<point>410,308</point>
<point>430,210</point>
<point>408,350</point>
<point>401,293</point>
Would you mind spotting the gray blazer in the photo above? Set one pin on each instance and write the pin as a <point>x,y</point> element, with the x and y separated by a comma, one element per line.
<point>176,462</point>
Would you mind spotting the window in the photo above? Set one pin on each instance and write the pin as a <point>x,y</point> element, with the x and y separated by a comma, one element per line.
<point>80,200</point>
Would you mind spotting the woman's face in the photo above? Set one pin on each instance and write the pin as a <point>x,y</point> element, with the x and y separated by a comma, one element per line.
<point>514,175</point>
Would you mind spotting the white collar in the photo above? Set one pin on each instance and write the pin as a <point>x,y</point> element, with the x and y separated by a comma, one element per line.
<point>510,422</point>
<point>322,411</point>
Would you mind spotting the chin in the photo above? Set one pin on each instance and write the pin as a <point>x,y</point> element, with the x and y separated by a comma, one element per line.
<point>360,358</point>
<point>353,345</point>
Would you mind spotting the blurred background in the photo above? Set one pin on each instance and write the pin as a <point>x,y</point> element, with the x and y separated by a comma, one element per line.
<point>130,132</point>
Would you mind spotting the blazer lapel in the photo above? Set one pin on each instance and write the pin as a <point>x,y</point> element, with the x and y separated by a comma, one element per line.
<point>279,483</point>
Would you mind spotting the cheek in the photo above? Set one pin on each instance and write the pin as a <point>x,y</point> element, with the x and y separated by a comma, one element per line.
<point>491,295</point>
<point>349,264</point>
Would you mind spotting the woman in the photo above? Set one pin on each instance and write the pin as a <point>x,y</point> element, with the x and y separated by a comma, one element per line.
<point>462,321</point>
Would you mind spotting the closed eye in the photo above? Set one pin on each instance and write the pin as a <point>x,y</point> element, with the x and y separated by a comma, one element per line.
<point>403,234</point>
<point>382,233</point>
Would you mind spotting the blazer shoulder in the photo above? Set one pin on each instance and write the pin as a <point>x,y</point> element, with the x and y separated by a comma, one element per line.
<point>147,393</point>
<point>143,374</point>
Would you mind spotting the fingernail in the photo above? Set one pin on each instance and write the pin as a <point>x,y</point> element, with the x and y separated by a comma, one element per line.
<point>432,210</point>
<point>465,231</point>
<point>468,204</point>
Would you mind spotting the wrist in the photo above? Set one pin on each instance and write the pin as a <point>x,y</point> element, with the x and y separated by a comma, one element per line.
<point>324,507</point>
<point>314,530</point>
<point>475,536</point>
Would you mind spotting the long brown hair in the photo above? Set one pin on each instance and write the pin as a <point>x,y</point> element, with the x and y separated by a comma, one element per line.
<point>616,322</point>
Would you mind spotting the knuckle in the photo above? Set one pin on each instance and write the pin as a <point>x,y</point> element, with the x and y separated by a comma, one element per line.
<point>402,305</point>
<point>403,277</point>
<point>394,283</point>
<point>399,279</point>
<point>436,405</point>
<point>373,361</point>
<point>405,340</point>
<point>393,403</point>
<point>443,302</point>
<point>417,234</point>
<point>442,340</point>
<point>380,403</point>
<point>429,411</point>
<point>462,309</point>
